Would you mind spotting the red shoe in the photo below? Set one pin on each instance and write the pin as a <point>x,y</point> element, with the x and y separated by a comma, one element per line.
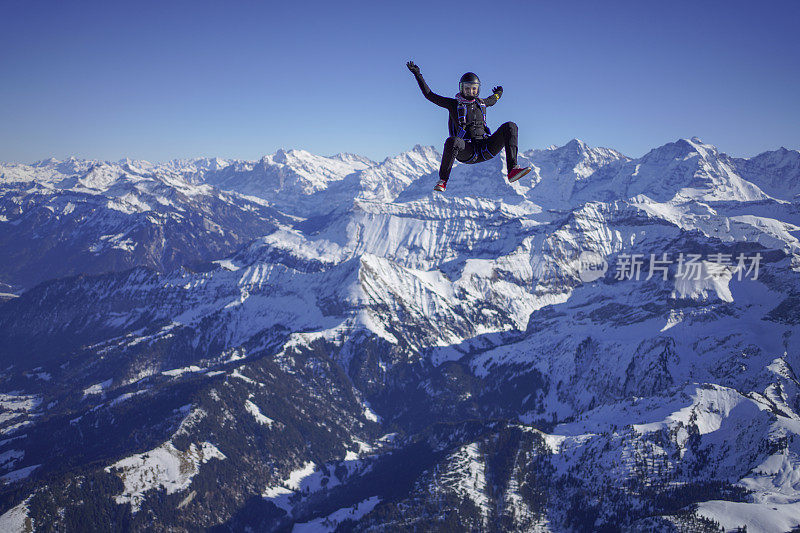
<point>517,172</point>
<point>441,186</point>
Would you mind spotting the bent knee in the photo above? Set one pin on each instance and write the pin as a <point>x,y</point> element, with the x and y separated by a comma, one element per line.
<point>510,126</point>
<point>456,142</point>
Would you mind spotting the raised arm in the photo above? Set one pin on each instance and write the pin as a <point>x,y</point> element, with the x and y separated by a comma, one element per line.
<point>497,92</point>
<point>441,101</point>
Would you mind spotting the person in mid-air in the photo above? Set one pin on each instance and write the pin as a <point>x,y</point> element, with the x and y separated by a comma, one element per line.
<point>470,139</point>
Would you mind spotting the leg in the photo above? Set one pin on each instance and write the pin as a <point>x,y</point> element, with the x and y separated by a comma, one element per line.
<point>454,147</point>
<point>505,137</point>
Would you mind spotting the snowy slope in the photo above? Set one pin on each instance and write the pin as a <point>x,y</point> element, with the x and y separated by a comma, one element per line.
<point>774,172</point>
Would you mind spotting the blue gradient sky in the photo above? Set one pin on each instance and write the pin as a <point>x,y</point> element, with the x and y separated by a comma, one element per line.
<point>161,80</point>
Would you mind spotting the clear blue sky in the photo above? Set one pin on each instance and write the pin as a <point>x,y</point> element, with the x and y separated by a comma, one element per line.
<point>167,79</point>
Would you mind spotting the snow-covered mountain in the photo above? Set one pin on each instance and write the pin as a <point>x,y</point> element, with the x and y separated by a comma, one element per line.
<point>374,357</point>
<point>286,177</point>
<point>85,217</point>
<point>561,172</point>
<point>774,172</point>
<point>687,168</point>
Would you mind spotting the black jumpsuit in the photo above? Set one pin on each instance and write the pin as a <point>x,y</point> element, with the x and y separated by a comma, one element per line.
<point>477,141</point>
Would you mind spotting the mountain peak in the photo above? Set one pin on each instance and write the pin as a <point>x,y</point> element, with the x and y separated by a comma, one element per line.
<point>349,157</point>
<point>278,157</point>
<point>682,148</point>
<point>697,144</point>
<point>783,150</point>
<point>45,162</point>
<point>576,144</point>
<point>684,143</point>
<point>424,150</point>
<point>285,155</point>
<point>775,172</point>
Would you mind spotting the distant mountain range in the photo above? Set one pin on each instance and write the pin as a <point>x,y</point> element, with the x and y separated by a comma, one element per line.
<point>319,343</point>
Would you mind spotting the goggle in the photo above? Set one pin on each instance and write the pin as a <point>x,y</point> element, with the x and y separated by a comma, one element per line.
<point>468,86</point>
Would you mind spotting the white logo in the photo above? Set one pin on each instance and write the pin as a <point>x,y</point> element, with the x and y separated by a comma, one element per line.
<point>591,266</point>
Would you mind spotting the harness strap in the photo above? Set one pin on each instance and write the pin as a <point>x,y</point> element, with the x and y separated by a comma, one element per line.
<point>483,155</point>
<point>462,120</point>
<point>462,114</point>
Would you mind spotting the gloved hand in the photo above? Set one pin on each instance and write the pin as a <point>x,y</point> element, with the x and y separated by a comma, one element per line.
<point>413,68</point>
<point>498,90</point>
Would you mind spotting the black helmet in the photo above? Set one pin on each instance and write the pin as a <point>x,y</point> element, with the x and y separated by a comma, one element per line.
<point>470,78</point>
